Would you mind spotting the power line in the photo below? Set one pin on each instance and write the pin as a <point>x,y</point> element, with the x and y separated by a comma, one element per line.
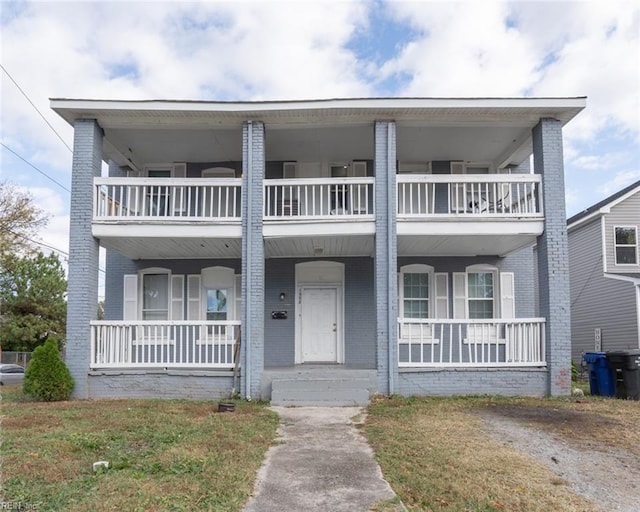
<point>36,108</point>
<point>29,163</point>
<point>64,253</point>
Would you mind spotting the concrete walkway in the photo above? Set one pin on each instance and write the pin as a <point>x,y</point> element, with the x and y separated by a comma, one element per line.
<point>321,463</point>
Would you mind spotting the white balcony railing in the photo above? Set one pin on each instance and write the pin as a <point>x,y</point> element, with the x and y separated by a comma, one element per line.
<point>149,199</point>
<point>484,343</point>
<point>308,198</point>
<point>150,344</point>
<point>494,195</point>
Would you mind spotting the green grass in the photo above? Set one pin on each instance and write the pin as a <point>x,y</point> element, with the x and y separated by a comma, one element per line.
<point>436,456</point>
<point>163,454</point>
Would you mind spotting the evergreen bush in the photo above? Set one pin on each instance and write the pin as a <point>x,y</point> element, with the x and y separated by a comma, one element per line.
<point>47,378</point>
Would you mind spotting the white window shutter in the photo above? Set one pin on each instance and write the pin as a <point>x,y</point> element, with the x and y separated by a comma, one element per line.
<point>177,297</point>
<point>179,170</point>
<point>457,167</point>
<point>130,297</point>
<point>238,297</point>
<point>460,307</point>
<point>507,295</point>
<point>442,295</point>
<point>194,309</point>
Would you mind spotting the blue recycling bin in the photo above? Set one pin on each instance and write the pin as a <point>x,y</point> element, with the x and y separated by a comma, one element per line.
<point>602,380</point>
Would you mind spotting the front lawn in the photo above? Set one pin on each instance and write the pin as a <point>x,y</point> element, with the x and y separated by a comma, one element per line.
<point>163,454</point>
<point>437,455</point>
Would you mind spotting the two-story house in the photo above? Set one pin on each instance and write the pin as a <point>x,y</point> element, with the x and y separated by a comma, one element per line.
<point>319,251</point>
<point>604,260</point>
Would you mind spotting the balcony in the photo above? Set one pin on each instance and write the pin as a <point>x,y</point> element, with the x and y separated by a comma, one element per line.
<point>142,216</point>
<point>319,216</point>
<point>179,344</point>
<point>466,214</point>
<point>425,343</point>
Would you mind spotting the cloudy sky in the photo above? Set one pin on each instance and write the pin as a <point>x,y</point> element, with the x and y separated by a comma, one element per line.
<point>259,50</point>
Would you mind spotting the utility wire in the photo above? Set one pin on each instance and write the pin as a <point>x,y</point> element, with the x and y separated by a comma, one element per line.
<point>36,108</point>
<point>29,163</point>
<point>65,254</point>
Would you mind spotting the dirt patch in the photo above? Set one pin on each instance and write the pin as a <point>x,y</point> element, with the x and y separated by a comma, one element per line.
<point>588,451</point>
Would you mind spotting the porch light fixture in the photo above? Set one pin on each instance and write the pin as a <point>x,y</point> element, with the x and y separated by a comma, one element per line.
<point>283,296</point>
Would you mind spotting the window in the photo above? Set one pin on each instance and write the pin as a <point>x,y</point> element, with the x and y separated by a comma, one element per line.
<point>217,304</point>
<point>155,296</point>
<point>416,295</point>
<point>626,245</point>
<point>481,294</point>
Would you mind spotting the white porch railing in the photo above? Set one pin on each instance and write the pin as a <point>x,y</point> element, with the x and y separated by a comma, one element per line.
<point>165,199</point>
<point>492,195</point>
<point>328,198</point>
<point>150,344</point>
<point>495,342</point>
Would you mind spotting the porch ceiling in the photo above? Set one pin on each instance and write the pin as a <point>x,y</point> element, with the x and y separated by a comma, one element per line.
<point>137,248</point>
<point>462,245</point>
<point>494,130</point>
<point>319,246</point>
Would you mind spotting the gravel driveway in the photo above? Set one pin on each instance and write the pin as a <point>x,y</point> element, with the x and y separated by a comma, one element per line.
<point>605,475</point>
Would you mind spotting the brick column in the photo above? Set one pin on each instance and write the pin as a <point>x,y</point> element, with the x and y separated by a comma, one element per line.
<point>253,171</point>
<point>386,257</point>
<point>553,255</point>
<point>82,287</point>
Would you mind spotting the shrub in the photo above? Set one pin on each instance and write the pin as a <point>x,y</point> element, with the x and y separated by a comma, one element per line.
<point>47,377</point>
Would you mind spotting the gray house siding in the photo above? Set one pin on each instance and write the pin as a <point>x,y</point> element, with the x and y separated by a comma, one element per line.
<point>359,307</point>
<point>519,262</point>
<point>117,266</point>
<point>625,213</point>
<point>598,302</point>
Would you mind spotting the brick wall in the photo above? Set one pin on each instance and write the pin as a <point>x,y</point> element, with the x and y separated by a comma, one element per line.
<point>253,170</point>
<point>473,381</point>
<point>386,254</point>
<point>82,303</point>
<point>160,384</point>
<point>553,255</point>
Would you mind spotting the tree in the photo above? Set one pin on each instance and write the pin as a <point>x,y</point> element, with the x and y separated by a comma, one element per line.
<point>20,220</point>
<point>32,301</point>
<point>47,377</point>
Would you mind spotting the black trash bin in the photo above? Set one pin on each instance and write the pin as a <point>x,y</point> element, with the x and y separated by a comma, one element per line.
<point>626,367</point>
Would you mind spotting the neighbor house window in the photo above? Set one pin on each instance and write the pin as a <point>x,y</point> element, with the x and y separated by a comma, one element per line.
<point>481,294</point>
<point>155,296</point>
<point>626,245</point>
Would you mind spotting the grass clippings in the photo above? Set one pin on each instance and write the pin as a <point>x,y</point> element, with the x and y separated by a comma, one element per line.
<point>163,454</point>
<point>436,456</point>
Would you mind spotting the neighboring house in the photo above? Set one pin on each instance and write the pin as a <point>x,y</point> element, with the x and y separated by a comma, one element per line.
<point>604,260</point>
<point>361,245</point>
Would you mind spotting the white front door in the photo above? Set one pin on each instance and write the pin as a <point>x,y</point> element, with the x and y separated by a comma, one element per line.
<point>319,324</point>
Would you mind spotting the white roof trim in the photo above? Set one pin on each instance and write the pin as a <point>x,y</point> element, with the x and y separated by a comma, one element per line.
<point>604,209</point>
<point>363,103</point>
<point>607,208</point>
<point>629,279</point>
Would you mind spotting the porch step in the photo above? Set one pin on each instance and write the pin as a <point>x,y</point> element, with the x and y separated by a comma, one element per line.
<point>320,392</point>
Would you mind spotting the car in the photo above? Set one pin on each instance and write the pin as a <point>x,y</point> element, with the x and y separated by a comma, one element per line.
<point>11,374</point>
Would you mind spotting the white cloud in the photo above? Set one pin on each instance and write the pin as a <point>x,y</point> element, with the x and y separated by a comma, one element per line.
<point>620,180</point>
<point>292,50</point>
